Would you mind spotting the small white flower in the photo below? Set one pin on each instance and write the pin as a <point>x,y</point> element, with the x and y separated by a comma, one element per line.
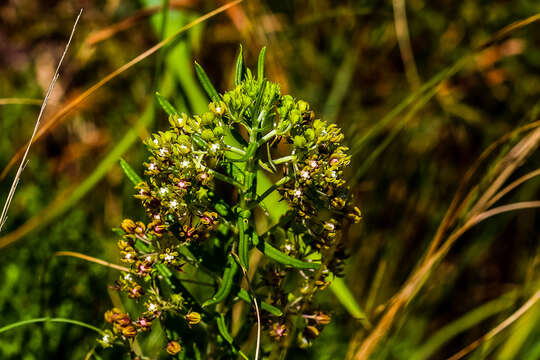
<point>218,109</point>
<point>152,307</point>
<point>148,258</point>
<point>156,141</point>
<point>288,247</point>
<point>168,257</point>
<point>173,204</point>
<point>333,174</point>
<point>128,256</point>
<point>163,190</point>
<point>313,164</point>
<point>214,147</point>
<point>106,339</point>
<point>152,166</point>
<point>183,146</point>
<point>163,152</point>
<point>128,277</point>
<point>297,193</point>
<point>304,174</point>
<point>184,164</point>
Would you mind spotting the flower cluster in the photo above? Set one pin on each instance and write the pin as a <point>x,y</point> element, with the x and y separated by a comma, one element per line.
<point>202,195</point>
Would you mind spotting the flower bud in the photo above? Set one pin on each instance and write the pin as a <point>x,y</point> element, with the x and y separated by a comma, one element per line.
<point>311,332</point>
<point>128,226</point>
<point>193,318</point>
<point>322,318</point>
<point>129,331</point>
<point>207,134</point>
<point>299,141</point>
<point>302,105</point>
<point>173,348</point>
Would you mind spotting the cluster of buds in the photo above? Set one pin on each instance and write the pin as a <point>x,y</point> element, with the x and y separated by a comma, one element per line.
<point>200,195</point>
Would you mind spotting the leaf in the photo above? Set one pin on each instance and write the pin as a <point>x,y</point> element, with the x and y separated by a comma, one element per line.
<point>130,173</point>
<point>206,83</point>
<point>260,64</point>
<point>165,105</point>
<point>346,298</point>
<point>244,295</point>
<point>226,283</point>
<point>283,258</point>
<point>239,69</point>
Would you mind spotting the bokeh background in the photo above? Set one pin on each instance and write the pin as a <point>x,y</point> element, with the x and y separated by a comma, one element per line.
<point>355,62</point>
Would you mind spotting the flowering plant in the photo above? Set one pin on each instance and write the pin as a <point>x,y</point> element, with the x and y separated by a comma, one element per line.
<point>196,263</point>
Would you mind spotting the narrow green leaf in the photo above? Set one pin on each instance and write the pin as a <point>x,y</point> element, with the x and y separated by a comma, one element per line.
<point>283,258</point>
<point>130,173</point>
<point>48,319</point>
<point>260,64</point>
<point>224,332</point>
<point>226,283</point>
<point>346,298</point>
<point>206,83</point>
<point>244,295</point>
<point>166,105</point>
<point>239,69</point>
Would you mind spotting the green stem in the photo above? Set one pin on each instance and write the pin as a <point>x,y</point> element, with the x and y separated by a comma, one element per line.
<point>271,189</point>
<point>236,150</point>
<point>267,137</point>
<point>225,178</point>
<point>48,319</point>
<point>284,159</point>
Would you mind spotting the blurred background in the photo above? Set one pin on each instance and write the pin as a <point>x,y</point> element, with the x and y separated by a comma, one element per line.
<point>367,65</point>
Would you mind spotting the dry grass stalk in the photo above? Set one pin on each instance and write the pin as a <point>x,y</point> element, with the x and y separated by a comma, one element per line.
<point>3,216</point>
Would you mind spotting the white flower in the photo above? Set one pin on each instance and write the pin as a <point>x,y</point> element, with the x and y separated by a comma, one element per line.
<point>183,146</point>
<point>173,204</point>
<point>168,257</point>
<point>163,190</point>
<point>148,258</point>
<point>313,164</point>
<point>297,193</point>
<point>106,339</point>
<point>156,141</point>
<point>128,276</point>
<point>184,164</point>
<point>214,147</point>
<point>152,307</point>
<point>218,109</point>
<point>128,256</point>
<point>163,151</point>
<point>152,166</point>
<point>304,174</point>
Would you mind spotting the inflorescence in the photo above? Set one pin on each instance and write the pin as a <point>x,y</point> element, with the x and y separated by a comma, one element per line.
<point>203,199</point>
